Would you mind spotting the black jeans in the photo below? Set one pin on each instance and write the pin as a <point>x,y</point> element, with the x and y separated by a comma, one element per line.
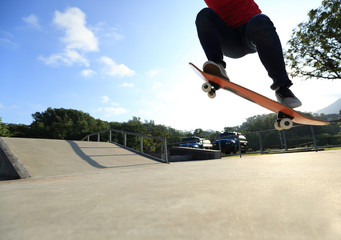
<point>258,35</point>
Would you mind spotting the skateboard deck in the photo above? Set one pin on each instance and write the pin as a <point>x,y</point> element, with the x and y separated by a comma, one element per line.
<point>284,114</point>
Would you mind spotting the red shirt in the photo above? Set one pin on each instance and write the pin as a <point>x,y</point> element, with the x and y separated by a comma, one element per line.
<point>234,12</point>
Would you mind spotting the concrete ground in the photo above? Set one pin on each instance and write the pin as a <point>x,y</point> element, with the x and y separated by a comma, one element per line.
<point>286,196</point>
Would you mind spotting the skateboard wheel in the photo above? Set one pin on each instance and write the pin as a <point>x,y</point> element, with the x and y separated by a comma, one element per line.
<point>277,126</point>
<point>212,94</point>
<point>206,87</point>
<point>286,123</point>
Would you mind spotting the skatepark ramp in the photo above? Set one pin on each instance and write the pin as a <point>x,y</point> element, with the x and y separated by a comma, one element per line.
<point>37,158</point>
<point>133,142</point>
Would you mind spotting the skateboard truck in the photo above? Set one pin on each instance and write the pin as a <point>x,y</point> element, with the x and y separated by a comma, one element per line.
<point>210,88</point>
<point>283,122</point>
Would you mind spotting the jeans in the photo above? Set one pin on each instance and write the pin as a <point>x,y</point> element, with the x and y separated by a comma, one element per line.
<point>258,35</point>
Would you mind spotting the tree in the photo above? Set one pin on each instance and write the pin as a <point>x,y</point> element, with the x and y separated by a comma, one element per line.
<point>230,129</point>
<point>258,123</point>
<point>4,132</point>
<point>63,123</point>
<point>315,46</point>
<point>19,130</point>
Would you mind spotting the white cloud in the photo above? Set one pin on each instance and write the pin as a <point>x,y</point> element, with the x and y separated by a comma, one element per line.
<point>115,110</point>
<point>157,85</point>
<point>105,99</point>
<point>68,58</point>
<point>54,60</point>
<point>5,40</point>
<point>77,35</point>
<point>32,20</point>
<point>115,104</point>
<point>78,39</point>
<point>112,69</point>
<point>88,73</point>
<point>111,111</point>
<point>8,43</point>
<point>127,84</point>
<point>109,108</point>
<point>153,72</point>
<point>6,34</point>
<point>112,33</point>
<point>74,57</point>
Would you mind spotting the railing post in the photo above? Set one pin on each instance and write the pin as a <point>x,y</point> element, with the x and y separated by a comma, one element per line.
<point>280,138</point>
<point>98,137</point>
<point>110,135</point>
<point>125,139</point>
<point>314,137</point>
<point>240,149</point>
<point>260,141</point>
<point>285,141</point>
<point>141,144</point>
<point>165,150</point>
<point>88,138</point>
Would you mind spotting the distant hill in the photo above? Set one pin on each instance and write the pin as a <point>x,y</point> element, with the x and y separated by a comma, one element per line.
<point>332,108</point>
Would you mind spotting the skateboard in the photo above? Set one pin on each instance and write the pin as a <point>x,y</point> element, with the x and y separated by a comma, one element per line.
<point>285,115</point>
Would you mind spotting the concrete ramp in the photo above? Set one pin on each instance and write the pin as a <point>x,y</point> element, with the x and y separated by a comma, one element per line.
<point>39,158</point>
<point>187,154</point>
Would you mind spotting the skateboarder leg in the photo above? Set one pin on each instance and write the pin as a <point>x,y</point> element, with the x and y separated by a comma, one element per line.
<point>235,30</point>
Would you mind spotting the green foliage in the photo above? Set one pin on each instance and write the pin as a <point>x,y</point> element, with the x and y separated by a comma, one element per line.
<point>147,128</point>
<point>295,137</point>
<point>315,46</point>
<point>4,131</point>
<point>64,124</point>
<point>211,135</point>
<point>258,123</point>
<point>19,130</point>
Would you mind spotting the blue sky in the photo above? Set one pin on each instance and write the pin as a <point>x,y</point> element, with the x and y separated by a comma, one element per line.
<point>119,59</point>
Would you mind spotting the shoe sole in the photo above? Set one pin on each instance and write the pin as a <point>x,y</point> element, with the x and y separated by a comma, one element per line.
<point>214,70</point>
<point>291,103</point>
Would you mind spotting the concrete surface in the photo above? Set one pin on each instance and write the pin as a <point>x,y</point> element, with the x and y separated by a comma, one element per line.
<point>286,196</point>
<point>46,158</point>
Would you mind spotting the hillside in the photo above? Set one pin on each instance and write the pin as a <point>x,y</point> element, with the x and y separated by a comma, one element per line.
<point>332,108</point>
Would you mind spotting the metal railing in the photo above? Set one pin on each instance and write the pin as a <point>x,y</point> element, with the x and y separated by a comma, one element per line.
<point>125,134</point>
<point>281,141</point>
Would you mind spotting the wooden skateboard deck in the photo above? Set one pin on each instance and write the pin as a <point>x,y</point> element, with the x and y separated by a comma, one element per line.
<point>281,110</point>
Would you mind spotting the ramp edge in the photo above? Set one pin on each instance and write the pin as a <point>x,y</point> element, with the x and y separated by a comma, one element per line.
<point>10,167</point>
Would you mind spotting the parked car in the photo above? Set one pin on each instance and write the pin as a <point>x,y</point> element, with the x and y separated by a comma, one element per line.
<point>228,142</point>
<point>196,142</point>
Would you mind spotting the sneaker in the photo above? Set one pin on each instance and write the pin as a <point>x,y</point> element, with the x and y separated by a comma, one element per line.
<point>215,69</point>
<point>287,98</point>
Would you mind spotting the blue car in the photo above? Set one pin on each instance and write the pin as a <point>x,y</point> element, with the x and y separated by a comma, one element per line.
<point>196,142</point>
<point>228,142</point>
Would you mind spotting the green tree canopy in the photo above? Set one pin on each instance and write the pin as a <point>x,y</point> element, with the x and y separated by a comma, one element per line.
<point>65,124</point>
<point>315,45</point>
<point>4,132</point>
